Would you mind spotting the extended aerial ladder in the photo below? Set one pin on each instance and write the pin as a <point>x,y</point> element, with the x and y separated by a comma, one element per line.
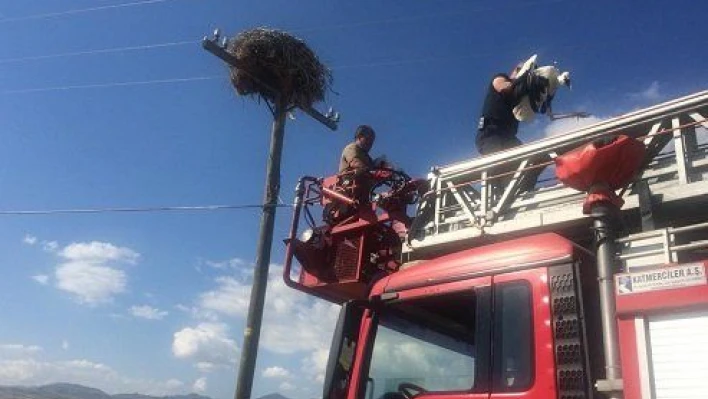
<point>461,211</point>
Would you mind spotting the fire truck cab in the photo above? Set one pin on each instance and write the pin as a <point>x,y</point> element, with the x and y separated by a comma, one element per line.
<point>537,295</point>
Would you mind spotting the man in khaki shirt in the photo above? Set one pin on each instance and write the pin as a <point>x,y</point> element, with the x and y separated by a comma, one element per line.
<point>355,156</point>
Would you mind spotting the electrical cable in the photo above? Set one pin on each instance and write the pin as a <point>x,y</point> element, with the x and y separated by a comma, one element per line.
<point>98,51</point>
<point>111,84</point>
<point>409,18</point>
<point>139,209</point>
<point>81,10</point>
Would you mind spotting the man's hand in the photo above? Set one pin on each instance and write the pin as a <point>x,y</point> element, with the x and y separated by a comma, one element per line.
<point>381,162</point>
<point>501,84</point>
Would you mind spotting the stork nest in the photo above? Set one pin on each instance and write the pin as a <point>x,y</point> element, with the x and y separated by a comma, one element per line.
<point>273,60</point>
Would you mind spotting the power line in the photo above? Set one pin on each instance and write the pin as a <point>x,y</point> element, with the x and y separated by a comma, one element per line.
<point>188,42</point>
<point>410,18</point>
<point>181,43</point>
<point>432,59</point>
<point>82,10</point>
<point>111,84</point>
<point>410,61</point>
<point>214,77</point>
<point>139,209</point>
<point>98,51</point>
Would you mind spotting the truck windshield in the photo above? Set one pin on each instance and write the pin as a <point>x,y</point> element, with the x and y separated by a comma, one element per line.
<point>424,345</point>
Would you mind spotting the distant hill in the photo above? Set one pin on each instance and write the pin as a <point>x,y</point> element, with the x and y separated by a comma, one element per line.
<point>273,396</point>
<point>75,391</point>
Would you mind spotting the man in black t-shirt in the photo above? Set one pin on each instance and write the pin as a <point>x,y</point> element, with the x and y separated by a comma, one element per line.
<point>497,127</point>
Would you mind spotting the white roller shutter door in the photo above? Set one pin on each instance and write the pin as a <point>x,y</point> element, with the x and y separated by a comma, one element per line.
<point>679,355</point>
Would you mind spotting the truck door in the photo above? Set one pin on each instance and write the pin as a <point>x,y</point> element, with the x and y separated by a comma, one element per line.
<point>522,363</point>
<point>431,342</point>
<point>484,338</point>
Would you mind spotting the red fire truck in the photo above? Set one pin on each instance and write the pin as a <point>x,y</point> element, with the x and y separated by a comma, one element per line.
<point>594,286</point>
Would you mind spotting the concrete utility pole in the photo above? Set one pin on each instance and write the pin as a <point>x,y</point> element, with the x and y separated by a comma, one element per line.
<point>252,331</point>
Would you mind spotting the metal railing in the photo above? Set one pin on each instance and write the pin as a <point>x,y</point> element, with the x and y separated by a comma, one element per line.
<point>462,206</point>
<point>661,246</point>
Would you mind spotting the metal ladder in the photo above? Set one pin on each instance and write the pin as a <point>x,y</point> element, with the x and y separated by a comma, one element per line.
<point>461,209</point>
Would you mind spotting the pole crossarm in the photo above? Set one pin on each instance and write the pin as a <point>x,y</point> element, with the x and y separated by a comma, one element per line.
<point>486,196</point>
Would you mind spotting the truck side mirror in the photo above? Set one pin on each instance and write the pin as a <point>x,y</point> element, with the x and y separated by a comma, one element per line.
<point>341,355</point>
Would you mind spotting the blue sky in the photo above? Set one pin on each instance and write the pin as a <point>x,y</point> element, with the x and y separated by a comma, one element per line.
<point>155,302</point>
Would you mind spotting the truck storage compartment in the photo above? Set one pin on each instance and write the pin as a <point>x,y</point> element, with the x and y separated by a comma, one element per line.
<point>679,355</point>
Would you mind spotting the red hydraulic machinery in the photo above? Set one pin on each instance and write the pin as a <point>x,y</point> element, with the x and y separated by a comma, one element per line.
<point>364,216</point>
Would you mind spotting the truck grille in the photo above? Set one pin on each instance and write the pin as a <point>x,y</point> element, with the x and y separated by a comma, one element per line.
<point>346,260</point>
<point>571,375</point>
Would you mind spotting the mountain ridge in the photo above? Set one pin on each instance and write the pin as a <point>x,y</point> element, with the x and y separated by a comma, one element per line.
<point>75,391</point>
<point>63,390</point>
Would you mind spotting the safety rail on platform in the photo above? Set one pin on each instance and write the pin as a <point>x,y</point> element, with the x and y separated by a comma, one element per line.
<point>461,206</point>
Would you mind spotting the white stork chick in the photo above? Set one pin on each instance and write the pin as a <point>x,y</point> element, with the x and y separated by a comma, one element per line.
<point>525,110</point>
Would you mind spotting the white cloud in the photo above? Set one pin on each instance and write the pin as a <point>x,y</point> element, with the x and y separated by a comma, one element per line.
<point>183,308</point>
<point>90,284</point>
<point>88,270</point>
<point>65,345</point>
<point>11,351</point>
<point>174,383</point>
<point>207,367</point>
<point>200,385</point>
<point>199,313</point>
<point>98,252</point>
<point>651,93</point>
<point>568,125</point>
<point>50,246</point>
<point>233,263</point>
<point>294,324</point>
<point>207,344</point>
<point>41,279</point>
<point>294,319</point>
<point>315,363</point>
<point>31,371</point>
<point>286,386</point>
<point>29,239</point>
<point>148,312</point>
<point>298,323</point>
<point>276,372</point>
<point>230,297</point>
